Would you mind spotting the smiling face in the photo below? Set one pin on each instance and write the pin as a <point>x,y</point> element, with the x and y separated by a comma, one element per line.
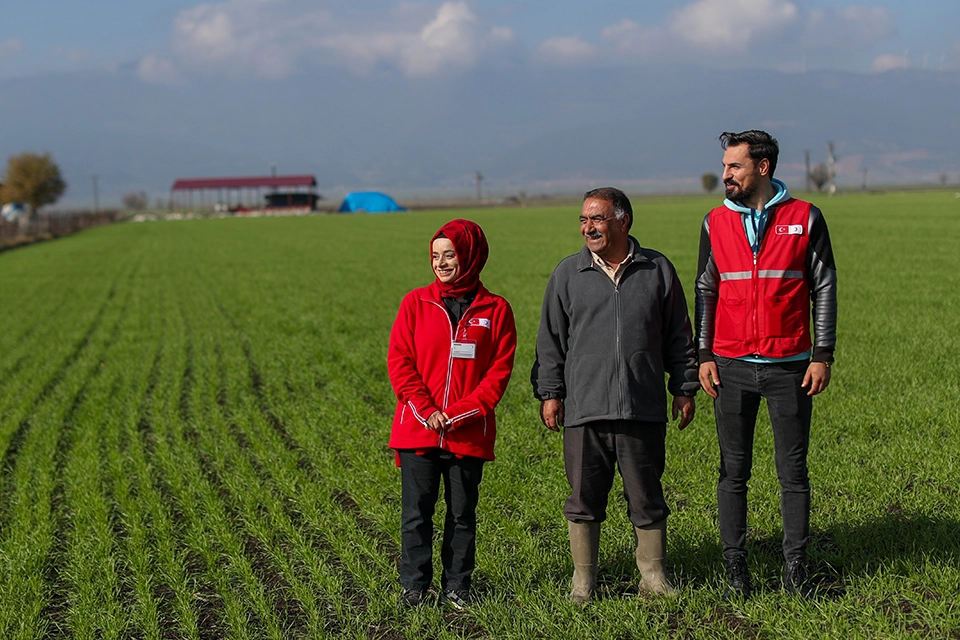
<point>604,234</point>
<point>445,263</point>
<point>743,176</point>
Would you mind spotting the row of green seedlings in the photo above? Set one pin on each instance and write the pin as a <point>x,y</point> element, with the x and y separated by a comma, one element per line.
<point>33,538</point>
<point>44,333</point>
<point>299,500</point>
<point>328,429</point>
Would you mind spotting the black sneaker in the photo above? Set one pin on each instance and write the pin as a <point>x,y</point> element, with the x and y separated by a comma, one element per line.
<point>459,599</point>
<point>738,580</point>
<point>411,598</point>
<point>796,580</point>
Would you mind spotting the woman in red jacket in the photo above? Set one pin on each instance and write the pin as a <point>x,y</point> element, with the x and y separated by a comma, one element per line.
<point>450,358</point>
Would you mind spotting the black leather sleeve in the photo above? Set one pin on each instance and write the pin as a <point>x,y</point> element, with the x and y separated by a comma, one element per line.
<point>707,290</point>
<point>822,279</point>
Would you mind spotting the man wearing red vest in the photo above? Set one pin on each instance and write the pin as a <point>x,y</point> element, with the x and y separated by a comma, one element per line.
<point>765,264</point>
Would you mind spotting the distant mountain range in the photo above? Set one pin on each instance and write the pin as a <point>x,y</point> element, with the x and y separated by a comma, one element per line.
<point>525,130</point>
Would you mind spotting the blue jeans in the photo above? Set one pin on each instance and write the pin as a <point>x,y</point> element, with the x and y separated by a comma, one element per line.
<point>420,477</point>
<point>790,409</point>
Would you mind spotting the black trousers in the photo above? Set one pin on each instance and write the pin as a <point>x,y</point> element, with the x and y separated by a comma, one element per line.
<point>790,409</point>
<point>421,476</point>
<point>591,454</point>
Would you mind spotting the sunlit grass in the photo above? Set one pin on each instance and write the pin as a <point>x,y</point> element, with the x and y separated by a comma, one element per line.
<point>195,414</point>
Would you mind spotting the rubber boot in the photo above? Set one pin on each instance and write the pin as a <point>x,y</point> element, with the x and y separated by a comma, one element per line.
<point>585,549</point>
<point>651,559</point>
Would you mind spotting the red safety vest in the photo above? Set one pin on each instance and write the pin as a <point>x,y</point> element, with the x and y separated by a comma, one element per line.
<point>764,301</point>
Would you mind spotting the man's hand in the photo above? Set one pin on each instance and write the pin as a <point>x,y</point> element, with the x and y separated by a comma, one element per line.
<point>709,378</point>
<point>684,407</point>
<point>437,421</point>
<point>817,378</point>
<point>551,414</point>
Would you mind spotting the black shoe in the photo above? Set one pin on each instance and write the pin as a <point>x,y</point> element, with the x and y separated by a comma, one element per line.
<point>796,580</point>
<point>412,598</point>
<point>459,599</point>
<point>738,580</point>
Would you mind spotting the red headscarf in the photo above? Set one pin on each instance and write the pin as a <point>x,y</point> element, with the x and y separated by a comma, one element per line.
<point>472,251</point>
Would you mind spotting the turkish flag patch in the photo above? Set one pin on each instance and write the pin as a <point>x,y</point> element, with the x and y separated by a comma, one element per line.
<point>479,322</point>
<point>789,230</point>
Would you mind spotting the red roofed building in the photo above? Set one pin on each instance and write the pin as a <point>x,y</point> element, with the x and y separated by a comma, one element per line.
<point>235,193</point>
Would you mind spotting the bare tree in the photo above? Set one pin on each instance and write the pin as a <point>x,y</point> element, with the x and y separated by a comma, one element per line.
<point>33,179</point>
<point>135,200</point>
<point>820,175</point>
<point>943,178</point>
<point>709,181</point>
<point>831,172</point>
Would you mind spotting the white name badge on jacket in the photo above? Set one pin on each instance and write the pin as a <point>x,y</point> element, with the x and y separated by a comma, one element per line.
<point>465,350</point>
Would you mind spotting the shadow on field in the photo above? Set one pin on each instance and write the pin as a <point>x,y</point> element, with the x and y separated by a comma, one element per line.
<point>896,541</point>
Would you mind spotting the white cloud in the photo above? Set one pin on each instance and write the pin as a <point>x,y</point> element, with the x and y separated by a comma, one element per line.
<point>849,27</point>
<point>721,25</point>
<point>10,47</point>
<point>780,34</point>
<point>241,37</point>
<point>273,38</point>
<point>453,39</point>
<point>889,62</point>
<point>157,70</point>
<point>630,39</point>
<point>565,51</point>
<point>74,56</point>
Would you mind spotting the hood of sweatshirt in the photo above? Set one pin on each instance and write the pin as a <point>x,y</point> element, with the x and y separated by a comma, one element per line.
<point>780,194</point>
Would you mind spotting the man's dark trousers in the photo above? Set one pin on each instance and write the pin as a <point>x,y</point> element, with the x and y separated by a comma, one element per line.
<point>592,453</point>
<point>790,409</point>
<point>421,477</point>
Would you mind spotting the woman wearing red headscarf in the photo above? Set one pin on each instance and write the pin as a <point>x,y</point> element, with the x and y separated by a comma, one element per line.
<point>450,358</point>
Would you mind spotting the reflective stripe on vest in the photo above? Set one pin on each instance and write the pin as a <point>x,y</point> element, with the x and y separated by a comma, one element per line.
<point>763,306</point>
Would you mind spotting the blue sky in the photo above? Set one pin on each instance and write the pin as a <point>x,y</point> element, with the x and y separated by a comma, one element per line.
<point>139,93</point>
<point>169,39</point>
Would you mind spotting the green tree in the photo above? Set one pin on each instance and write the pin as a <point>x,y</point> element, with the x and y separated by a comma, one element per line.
<point>709,181</point>
<point>33,179</point>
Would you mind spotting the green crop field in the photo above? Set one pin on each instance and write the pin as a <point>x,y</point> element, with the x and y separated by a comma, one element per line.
<point>194,417</point>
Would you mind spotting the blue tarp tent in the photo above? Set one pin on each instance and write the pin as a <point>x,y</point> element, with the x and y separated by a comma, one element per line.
<point>369,201</point>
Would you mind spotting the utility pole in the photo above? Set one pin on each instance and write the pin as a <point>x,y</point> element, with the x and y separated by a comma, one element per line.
<point>96,195</point>
<point>807,156</point>
<point>864,178</point>
<point>831,161</point>
<point>479,180</point>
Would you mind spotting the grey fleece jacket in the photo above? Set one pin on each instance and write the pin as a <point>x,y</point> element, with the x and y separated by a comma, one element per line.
<point>604,349</point>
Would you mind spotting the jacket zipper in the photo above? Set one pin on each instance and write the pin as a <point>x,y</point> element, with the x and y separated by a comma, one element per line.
<point>620,363</point>
<point>756,286</point>
<point>453,337</point>
<point>756,304</point>
<point>446,388</point>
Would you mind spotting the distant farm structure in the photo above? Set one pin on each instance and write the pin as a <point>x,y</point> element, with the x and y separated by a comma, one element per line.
<point>292,193</point>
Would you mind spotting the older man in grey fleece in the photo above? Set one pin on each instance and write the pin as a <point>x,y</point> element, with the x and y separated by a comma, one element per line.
<point>614,321</point>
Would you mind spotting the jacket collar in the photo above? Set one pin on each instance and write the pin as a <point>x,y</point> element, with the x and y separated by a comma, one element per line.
<point>585,257</point>
<point>431,293</point>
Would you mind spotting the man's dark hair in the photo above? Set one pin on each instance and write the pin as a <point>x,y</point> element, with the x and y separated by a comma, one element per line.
<point>619,200</point>
<point>760,144</point>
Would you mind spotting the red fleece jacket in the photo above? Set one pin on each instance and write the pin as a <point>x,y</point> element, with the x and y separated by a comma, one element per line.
<point>427,377</point>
